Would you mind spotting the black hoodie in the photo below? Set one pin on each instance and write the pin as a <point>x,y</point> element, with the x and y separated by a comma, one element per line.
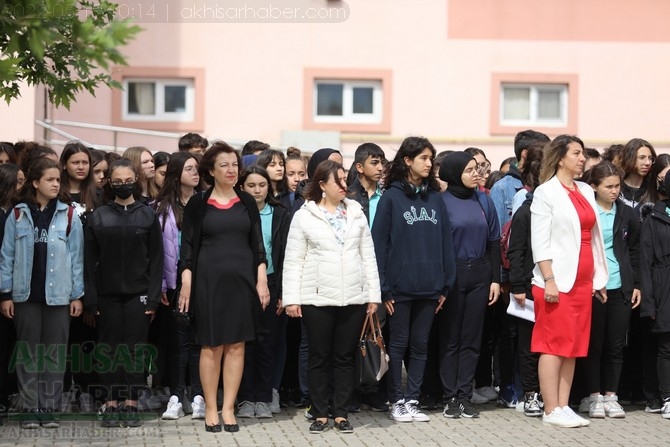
<point>412,238</point>
<point>123,254</point>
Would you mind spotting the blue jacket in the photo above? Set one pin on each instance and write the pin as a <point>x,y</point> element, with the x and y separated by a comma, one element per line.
<point>65,261</point>
<point>413,245</point>
<point>503,192</point>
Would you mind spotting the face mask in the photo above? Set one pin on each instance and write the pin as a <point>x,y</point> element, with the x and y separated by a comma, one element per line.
<point>124,191</point>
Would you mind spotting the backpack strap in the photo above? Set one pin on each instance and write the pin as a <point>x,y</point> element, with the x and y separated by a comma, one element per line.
<point>70,212</point>
<point>17,213</point>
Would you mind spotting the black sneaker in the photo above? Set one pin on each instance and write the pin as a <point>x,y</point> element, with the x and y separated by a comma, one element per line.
<point>374,403</point>
<point>468,410</point>
<point>30,419</point>
<point>49,419</point>
<point>344,426</point>
<point>452,409</point>
<point>653,406</point>
<point>428,402</point>
<point>130,417</point>
<point>531,405</point>
<point>318,427</point>
<point>110,418</point>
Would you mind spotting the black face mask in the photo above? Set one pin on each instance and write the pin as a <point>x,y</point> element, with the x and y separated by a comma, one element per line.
<point>124,191</point>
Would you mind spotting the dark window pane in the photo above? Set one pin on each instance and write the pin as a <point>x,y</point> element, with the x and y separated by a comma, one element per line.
<point>141,98</point>
<point>329,99</point>
<point>175,98</point>
<point>363,99</point>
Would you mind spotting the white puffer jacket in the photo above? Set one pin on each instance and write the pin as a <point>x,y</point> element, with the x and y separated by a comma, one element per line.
<point>318,272</point>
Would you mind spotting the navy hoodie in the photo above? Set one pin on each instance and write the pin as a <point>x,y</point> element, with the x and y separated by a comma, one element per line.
<point>412,238</point>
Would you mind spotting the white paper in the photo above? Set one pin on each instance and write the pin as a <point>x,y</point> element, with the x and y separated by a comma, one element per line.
<point>527,312</point>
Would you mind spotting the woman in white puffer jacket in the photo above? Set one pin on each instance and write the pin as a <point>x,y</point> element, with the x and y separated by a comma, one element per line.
<point>331,280</point>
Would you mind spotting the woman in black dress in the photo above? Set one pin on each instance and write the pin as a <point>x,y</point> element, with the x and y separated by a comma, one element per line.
<point>223,263</point>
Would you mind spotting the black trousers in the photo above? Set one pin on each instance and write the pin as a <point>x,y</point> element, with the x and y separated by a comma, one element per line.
<point>41,353</point>
<point>123,351</point>
<point>184,356</point>
<point>260,356</point>
<point>601,369</point>
<point>462,326</point>
<point>82,342</point>
<point>663,364</point>
<point>332,333</point>
<point>527,359</point>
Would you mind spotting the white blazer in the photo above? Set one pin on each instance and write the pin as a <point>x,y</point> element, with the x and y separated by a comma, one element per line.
<point>556,235</point>
<point>317,271</point>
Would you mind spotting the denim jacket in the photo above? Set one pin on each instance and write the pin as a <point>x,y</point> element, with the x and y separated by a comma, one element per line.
<point>65,257</point>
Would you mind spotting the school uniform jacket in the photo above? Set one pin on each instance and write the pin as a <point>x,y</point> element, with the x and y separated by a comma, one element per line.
<point>655,268</point>
<point>556,235</point>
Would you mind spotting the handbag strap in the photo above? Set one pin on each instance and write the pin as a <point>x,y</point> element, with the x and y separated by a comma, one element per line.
<point>367,325</point>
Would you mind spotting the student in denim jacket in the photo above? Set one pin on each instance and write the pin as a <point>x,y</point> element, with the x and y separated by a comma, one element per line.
<point>41,281</point>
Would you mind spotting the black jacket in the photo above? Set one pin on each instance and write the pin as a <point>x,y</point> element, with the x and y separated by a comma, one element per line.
<point>520,253</point>
<point>627,247</point>
<point>358,193</point>
<point>655,268</point>
<point>281,221</point>
<point>123,254</point>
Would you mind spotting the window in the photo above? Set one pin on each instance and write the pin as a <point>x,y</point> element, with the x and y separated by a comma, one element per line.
<point>546,102</point>
<point>337,101</point>
<point>158,99</point>
<point>541,104</point>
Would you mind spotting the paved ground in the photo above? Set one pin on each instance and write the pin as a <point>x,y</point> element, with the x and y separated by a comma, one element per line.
<point>495,427</point>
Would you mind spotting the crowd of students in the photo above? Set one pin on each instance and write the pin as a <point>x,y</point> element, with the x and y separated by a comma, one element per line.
<point>188,264</point>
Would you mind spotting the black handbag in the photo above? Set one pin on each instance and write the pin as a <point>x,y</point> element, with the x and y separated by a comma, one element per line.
<point>372,361</point>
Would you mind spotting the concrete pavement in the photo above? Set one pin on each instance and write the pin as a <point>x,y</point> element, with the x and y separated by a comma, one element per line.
<point>495,427</point>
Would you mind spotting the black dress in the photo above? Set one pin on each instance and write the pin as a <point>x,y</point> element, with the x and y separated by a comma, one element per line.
<point>224,284</point>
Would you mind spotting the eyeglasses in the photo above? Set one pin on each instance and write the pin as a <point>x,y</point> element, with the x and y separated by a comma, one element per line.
<point>643,158</point>
<point>483,167</point>
<point>119,183</point>
<point>191,169</point>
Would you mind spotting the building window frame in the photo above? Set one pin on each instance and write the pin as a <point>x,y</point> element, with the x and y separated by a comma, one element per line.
<point>378,121</point>
<point>156,118</point>
<point>565,84</point>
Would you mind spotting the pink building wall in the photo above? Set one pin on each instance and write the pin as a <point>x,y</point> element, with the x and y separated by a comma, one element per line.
<point>443,57</point>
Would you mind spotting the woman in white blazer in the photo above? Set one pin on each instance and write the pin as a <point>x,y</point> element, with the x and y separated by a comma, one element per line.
<point>331,281</point>
<point>570,267</point>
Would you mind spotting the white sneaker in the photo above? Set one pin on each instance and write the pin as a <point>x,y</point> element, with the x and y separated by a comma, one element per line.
<point>575,417</point>
<point>585,405</point>
<point>478,397</point>
<point>263,410</point>
<point>596,407</point>
<point>274,406</point>
<point>399,412</point>
<point>198,408</point>
<point>612,407</point>
<point>520,406</point>
<point>246,409</point>
<point>413,410</point>
<point>558,418</point>
<point>665,410</point>
<point>174,409</point>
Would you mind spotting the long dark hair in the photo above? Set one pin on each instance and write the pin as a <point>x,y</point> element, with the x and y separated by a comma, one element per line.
<point>170,194</point>
<point>410,148</point>
<point>255,169</point>
<point>35,173</point>
<point>265,158</point>
<point>8,178</point>
<point>87,189</point>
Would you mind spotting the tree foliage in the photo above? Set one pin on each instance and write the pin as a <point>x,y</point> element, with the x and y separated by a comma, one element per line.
<point>65,45</point>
